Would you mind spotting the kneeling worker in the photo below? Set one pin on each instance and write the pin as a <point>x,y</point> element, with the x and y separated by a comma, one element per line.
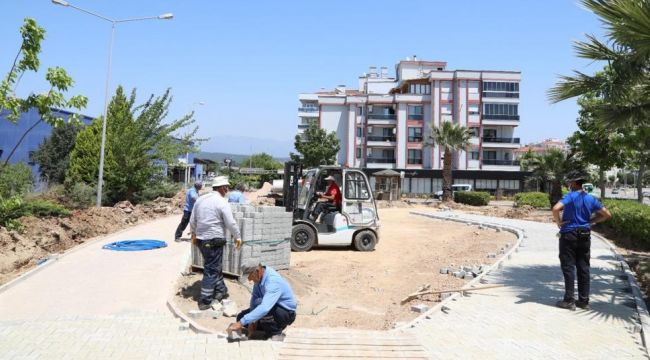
<point>272,307</point>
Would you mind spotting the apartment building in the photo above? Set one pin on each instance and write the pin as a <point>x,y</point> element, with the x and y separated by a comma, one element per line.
<point>385,123</point>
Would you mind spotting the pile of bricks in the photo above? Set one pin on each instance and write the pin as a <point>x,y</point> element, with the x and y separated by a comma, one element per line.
<point>266,233</point>
<point>464,272</point>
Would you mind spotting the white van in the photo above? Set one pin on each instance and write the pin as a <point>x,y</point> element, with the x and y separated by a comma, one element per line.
<point>454,188</point>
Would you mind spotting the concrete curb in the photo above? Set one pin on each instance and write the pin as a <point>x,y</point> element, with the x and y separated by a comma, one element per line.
<point>54,257</point>
<point>641,307</point>
<point>455,217</point>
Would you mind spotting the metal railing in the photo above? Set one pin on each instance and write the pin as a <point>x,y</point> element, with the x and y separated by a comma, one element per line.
<point>382,138</point>
<point>416,117</point>
<point>501,140</point>
<point>308,109</point>
<point>501,94</point>
<point>500,117</point>
<point>415,139</point>
<point>378,160</point>
<point>500,162</point>
<point>382,116</point>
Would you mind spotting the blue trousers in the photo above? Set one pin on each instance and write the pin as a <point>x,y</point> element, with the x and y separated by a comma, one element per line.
<point>212,283</point>
<point>183,225</point>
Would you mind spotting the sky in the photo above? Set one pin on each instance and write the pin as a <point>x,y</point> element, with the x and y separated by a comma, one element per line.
<point>240,65</point>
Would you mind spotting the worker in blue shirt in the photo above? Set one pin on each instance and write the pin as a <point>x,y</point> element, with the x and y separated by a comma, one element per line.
<point>575,240</point>
<point>237,195</point>
<point>190,198</point>
<point>272,306</point>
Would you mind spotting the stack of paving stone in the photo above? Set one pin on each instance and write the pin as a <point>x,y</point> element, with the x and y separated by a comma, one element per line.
<point>266,233</point>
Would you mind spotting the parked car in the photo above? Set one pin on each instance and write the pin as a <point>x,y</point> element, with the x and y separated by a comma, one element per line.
<point>646,194</point>
<point>615,191</point>
<point>454,188</point>
<point>588,187</point>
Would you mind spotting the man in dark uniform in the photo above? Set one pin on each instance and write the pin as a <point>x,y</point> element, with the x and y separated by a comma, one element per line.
<point>575,240</point>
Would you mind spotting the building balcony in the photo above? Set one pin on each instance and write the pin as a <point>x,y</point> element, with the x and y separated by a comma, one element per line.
<point>500,117</point>
<point>381,141</point>
<point>499,142</point>
<point>415,139</point>
<point>382,138</point>
<point>500,162</point>
<point>309,109</point>
<point>498,94</point>
<point>416,117</point>
<point>382,116</point>
<point>303,126</point>
<point>380,160</point>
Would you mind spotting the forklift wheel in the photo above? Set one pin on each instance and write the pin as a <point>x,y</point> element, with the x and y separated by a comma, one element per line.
<point>303,237</point>
<point>365,240</point>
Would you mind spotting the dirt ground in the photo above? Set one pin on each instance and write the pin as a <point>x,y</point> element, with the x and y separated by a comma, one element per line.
<point>340,287</point>
<point>41,237</point>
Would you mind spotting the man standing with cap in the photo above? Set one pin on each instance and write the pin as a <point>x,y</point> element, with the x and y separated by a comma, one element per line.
<point>190,199</point>
<point>332,195</point>
<point>575,240</point>
<point>272,306</point>
<point>208,222</point>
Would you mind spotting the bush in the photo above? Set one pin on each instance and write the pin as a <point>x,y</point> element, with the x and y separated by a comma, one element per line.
<point>10,210</point>
<point>534,199</point>
<point>80,195</point>
<point>42,208</point>
<point>15,180</point>
<point>630,219</point>
<point>160,188</point>
<point>475,198</point>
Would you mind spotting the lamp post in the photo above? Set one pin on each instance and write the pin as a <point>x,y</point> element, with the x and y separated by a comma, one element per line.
<point>187,154</point>
<point>167,16</point>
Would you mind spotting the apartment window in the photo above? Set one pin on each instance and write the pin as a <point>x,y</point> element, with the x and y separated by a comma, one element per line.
<point>359,132</point>
<point>473,87</point>
<point>473,109</point>
<point>446,109</point>
<point>358,153</point>
<point>416,112</point>
<point>501,111</point>
<point>445,86</point>
<point>423,89</point>
<point>501,89</point>
<point>415,134</point>
<point>473,155</point>
<point>474,131</point>
<point>360,111</point>
<point>489,155</point>
<point>415,156</point>
<point>490,133</point>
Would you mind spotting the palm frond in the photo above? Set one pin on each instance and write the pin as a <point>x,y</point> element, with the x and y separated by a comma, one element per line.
<point>594,49</point>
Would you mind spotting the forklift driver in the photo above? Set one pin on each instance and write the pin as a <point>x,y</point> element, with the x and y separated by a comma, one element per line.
<point>332,196</point>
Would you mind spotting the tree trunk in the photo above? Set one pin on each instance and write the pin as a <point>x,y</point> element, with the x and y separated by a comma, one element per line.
<point>639,179</point>
<point>556,192</point>
<point>21,140</point>
<point>601,182</point>
<point>446,177</point>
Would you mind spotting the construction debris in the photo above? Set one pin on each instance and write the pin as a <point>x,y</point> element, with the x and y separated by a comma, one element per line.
<point>229,308</point>
<point>416,294</point>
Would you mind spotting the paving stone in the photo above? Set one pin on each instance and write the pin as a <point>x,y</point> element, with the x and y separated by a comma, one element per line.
<point>420,308</point>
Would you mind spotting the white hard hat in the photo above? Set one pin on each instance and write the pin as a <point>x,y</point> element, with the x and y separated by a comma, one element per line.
<point>220,181</point>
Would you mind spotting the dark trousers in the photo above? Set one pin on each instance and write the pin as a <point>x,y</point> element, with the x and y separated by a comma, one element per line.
<point>183,225</point>
<point>574,259</point>
<point>274,322</point>
<point>323,206</point>
<point>212,283</point>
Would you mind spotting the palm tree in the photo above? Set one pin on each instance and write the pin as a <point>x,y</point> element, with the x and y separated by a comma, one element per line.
<point>451,137</point>
<point>624,85</point>
<point>553,167</point>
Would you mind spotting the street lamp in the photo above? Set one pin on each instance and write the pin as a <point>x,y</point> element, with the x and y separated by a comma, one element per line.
<point>187,154</point>
<point>166,16</point>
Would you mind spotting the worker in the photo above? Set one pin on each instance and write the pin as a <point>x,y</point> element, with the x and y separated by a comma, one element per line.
<point>575,240</point>
<point>208,222</point>
<point>272,306</point>
<point>332,196</point>
<point>237,195</point>
<point>190,198</point>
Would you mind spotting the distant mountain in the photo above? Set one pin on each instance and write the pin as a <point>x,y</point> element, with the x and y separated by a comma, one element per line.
<point>237,158</point>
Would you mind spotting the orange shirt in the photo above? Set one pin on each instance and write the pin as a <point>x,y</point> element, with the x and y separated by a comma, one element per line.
<point>334,190</point>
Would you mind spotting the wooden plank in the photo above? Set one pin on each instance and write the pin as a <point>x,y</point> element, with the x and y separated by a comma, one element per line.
<point>427,292</point>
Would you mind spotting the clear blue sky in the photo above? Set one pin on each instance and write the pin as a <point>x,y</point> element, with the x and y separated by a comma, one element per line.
<point>249,60</point>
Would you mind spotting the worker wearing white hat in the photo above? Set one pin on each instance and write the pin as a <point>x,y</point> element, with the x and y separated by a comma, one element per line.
<point>208,222</point>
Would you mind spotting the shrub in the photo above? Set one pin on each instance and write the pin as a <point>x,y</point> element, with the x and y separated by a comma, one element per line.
<point>534,199</point>
<point>15,180</point>
<point>630,219</point>
<point>42,208</point>
<point>475,198</point>
<point>156,189</point>
<point>11,209</point>
<point>80,195</point>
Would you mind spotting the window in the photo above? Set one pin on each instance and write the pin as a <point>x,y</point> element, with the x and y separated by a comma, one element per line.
<point>501,111</point>
<point>423,89</point>
<point>358,153</point>
<point>490,133</point>
<point>473,109</point>
<point>415,156</point>
<point>473,87</point>
<point>415,134</point>
<point>359,132</point>
<point>416,112</point>
<point>473,155</point>
<point>501,89</point>
<point>474,131</point>
<point>446,109</point>
<point>355,186</point>
<point>489,155</point>
<point>361,111</point>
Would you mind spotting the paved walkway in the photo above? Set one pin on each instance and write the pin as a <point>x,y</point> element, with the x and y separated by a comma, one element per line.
<point>521,320</point>
<point>91,304</point>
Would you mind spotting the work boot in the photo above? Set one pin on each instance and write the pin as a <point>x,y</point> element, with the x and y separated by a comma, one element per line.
<point>204,306</point>
<point>221,296</point>
<point>569,305</point>
<point>584,305</point>
<point>177,240</point>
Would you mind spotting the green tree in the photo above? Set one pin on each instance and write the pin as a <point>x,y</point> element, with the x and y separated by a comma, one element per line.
<point>15,181</point>
<point>594,143</point>
<point>451,137</point>
<point>553,167</point>
<point>53,155</point>
<point>318,148</point>
<point>59,81</point>
<point>261,161</point>
<point>138,139</point>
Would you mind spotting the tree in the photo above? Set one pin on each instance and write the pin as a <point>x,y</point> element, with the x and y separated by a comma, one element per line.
<point>138,139</point>
<point>318,148</point>
<point>53,155</point>
<point>262,161</point>
<point>595,144</point>
<point>27,60</point>
<point>451,137</point>
<point>554,167</point>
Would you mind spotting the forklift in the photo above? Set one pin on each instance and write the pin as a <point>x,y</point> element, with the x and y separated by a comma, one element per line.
<point>356,223</point>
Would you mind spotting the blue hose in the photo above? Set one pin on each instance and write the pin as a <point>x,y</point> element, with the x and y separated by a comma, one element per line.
<point>135,245</point>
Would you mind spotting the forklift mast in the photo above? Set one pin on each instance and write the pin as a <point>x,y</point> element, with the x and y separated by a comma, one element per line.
<point>292,175</point>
